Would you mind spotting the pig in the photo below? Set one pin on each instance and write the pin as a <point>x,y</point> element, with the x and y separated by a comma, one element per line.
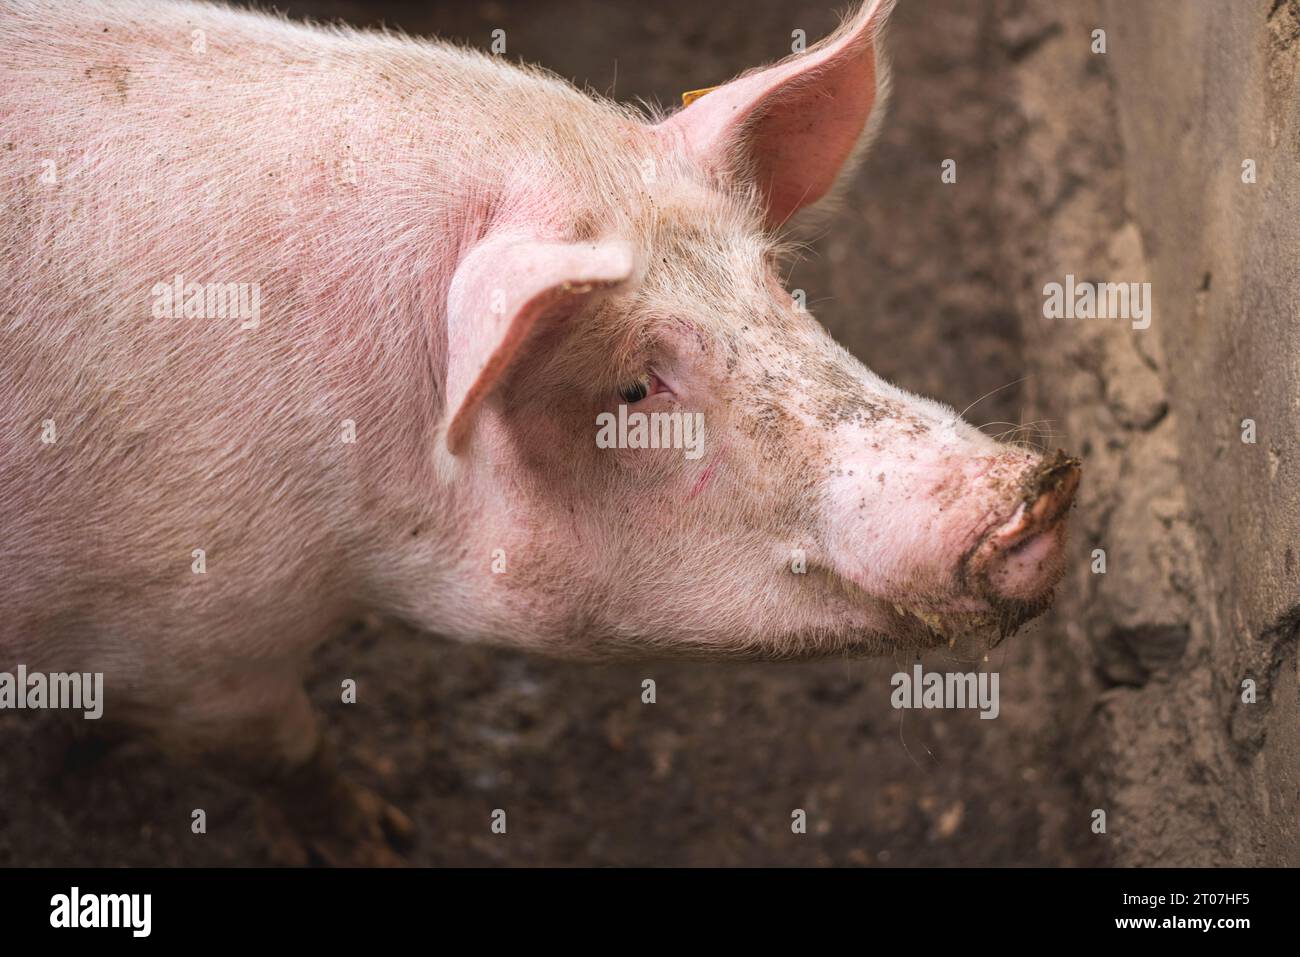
<point>302,325</point>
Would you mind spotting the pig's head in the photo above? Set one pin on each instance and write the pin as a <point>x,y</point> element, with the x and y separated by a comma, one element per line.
<point>819,510</point>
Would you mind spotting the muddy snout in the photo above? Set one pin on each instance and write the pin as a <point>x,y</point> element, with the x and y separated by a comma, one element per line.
<point>1023,558</point>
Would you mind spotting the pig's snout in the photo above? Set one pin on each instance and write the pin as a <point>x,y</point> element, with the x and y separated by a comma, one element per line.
<point>1022,559</point>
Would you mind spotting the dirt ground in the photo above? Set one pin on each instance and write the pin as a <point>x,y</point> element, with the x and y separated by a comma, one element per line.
<point>909,276</point>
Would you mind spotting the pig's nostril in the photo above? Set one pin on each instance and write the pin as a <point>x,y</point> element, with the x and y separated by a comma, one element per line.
<point>1055,495</point>
<point>1022,558</point>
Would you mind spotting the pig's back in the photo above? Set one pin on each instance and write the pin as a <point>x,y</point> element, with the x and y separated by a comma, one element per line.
<point>274,156</point>
<point>342,174</point>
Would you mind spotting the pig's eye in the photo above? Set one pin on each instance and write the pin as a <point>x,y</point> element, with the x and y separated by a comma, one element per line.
<point>645,384</point>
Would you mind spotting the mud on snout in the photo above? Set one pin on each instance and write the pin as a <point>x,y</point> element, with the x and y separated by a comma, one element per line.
<point>1011,571</point>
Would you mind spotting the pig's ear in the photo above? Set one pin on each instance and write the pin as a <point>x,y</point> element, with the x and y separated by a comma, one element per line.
<point>793,127</point>
<point>500,292</point>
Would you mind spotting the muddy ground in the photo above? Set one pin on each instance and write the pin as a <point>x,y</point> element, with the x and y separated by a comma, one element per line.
<point>911,276</point>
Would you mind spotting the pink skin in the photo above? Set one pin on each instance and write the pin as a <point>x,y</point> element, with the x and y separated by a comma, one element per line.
<point>467,262</point>
<point>939,495</point>
<point>1023,557</point>
<point>903,505</point>
<point>922,538</point>
<point>703,481</point>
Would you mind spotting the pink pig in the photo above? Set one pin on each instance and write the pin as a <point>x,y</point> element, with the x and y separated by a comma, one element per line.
<point>305,324</point>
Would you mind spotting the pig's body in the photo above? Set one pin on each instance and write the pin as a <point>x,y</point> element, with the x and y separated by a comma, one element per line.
<point>381,193</point>
<point>180,434</point>
<point>338,171</point>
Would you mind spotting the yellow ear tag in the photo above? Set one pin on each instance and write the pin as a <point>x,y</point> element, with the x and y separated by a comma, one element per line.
<point>691,96</point>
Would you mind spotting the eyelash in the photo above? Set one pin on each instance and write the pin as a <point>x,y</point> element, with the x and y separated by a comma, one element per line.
<point>642,387</point>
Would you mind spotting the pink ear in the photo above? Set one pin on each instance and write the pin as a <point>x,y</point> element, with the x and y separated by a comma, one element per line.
<point>793,126</point>
<point>499,293</point>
